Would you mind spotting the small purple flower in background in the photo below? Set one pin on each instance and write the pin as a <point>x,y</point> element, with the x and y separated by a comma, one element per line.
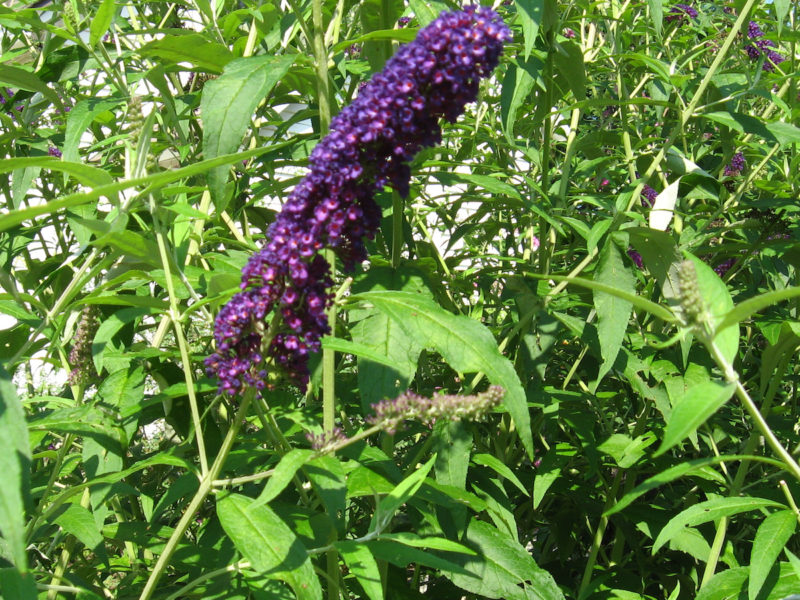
<point>569,33</point>
<point>353,51</point>
<point>369,146</point>
<point>649,196</point>
<point>680,12</point>
<point>403,21</point>
<point>636,257</point>
<point>326,440</point>
<point>736,166</point>
<point>53,151</point>
<point>722,268</point>
<point>762,48</point>
<point>535,243</point>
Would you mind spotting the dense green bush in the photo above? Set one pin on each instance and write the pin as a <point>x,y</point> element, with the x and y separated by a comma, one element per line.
<point>566,369</point>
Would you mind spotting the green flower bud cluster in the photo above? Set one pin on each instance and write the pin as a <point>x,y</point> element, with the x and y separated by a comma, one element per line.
<point>390,414</point>
<point>693,309</point>
<point>80,357</point>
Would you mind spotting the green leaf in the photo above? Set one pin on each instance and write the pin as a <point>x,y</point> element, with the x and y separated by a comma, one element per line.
<point>387,371</point>
<point>327,477</point>
<point>518,83</point>
<point>465,344</point>
<point>746,309</point>
<point>284,472</point>
<point>436,543</point>
<point>227,109</point>
<point>149,183</point>
<point>15,462</point>
<point>399,496</point>
<point>500,468</point>
<point>643,303</point>
<point>613,312</point>
<point>363,565</point>
<point>268,543</point>
<point>771,537</point>
<point>493,185</point>
<point>17,585</point>
<point>78,521</point>
<point>25,80</point>
<point>656,14</point>
<point>685,468</point>
<point>710,510</point>
<point>89,176</point>
<point>403,555</point>
<point>453,445</point>
<point>718,302</point>
<point>694,409</point>
<point>530,13</point>
<point>356,349</point>
<point>569,62</point>
<point>427,10</point>
<point>502,568</point>
<point>80,117</point>
<point>781,10</point>
<point>398,35</point>
<point>725,585</point>
<point>192,48</point>
<point>101,21</point>
<point>624,450</point>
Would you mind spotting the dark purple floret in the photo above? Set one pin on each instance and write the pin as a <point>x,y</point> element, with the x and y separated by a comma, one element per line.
<point>722,268</point>
<point>53,151</point>
<point>679,12</point>
<point>736,165</point>
<point>649,196</point>
<point>754,31</point>
<point>403,21</point>
<point>369,146</point>
<point>761,48</point>
<point>636,257</point>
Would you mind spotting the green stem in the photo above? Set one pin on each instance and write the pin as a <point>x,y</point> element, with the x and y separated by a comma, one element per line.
<point>598,535</point>
<point>182,345</point>
<point>397,228</point>
<point>198,499</point>
<point>755,414</point>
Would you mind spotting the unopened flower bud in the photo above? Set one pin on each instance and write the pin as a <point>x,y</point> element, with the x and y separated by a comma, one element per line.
<point>691,300</point>
<point>80,357</point>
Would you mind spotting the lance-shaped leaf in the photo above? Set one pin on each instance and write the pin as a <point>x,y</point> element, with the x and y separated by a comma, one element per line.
<point>227,107</point>
<point>464,343</point>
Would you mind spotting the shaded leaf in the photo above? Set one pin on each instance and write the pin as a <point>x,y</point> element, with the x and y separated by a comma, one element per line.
<point>268,543</point>
<point>465,344</point>
<point>710,510</point>
<point>772,535</point>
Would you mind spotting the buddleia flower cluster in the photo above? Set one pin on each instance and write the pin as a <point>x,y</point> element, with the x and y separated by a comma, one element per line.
<point>736,166</point>
<point>370,145</point>
<point>761,47</point>
<point>391,414</point>
<point>80,357</point>
<point>680,13</point>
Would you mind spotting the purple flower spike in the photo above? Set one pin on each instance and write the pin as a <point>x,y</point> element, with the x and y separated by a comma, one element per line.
<point>754,31</point>
<point>370,145</point>
<point>636,258</point>
<point>736,165</point>
<point>649,196</point>
<point>679,12</point>
<point>53,151</point>
<point>761,48</point>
